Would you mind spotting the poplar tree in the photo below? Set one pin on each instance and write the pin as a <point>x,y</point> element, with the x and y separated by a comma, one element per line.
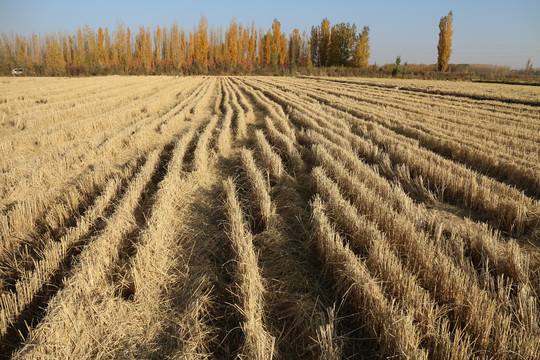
<point>211,47</point>
<point>324,42</point>
<point>107,50</point>
<point>158,45</point>
<point>268,47</point>
<point>143,48</point>
<point>80,54</point>
<point>252,55</point>
<point>529,66</point>
<point>245,46</point>
<point>67,52</point>
<point>182,49</point>
<point>90,57</point>
<point>128,49</point>
<point>71,45</point>
<point>119,53</point>
<point>36,53</point>
<point>148,53</point>
<point>201,46</point>
<point>240,39</point>
<point>165,44</point>
<point>54,58</point>
<point>305,51</point>
<point>333,48</point>
<point>282,49</point>
<point>139,44</point>
<point>361,55</point>
<point>233,43</point>
<point>21,50</point>
<point>295,43</point>
<point>190,50</point>
<point>309,62</point>
<point>101,48</point>
<point>445,41</point>
<point>174,49</point>
<point>314,45</point>
<point>276,37</point>
<point>261,39</point>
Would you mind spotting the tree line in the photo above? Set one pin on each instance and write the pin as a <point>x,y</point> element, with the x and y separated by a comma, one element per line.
<point>239,48</point>
<point>174,50</point>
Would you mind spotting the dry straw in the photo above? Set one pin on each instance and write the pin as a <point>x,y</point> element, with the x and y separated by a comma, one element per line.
<point>259,188</point>
<point>394,329</point>
<point>258,344</point>
<point>112,236</point>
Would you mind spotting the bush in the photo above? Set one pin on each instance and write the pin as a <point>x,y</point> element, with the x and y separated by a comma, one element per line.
<point>293,67</point>
<point>274,59</point>
<point>396,70</point>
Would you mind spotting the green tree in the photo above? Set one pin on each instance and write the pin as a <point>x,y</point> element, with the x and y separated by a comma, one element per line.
<point>397,66</point>
<point>342,42</point>
<point>314,45</point>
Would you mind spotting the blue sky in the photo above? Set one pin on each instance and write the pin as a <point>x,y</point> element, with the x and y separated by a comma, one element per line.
<point>493,32</point>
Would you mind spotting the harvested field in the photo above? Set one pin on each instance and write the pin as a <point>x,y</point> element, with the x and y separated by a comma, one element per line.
<point>268,218</point>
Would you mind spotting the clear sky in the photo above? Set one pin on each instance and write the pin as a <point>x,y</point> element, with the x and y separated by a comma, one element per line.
<point>485,31</point>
